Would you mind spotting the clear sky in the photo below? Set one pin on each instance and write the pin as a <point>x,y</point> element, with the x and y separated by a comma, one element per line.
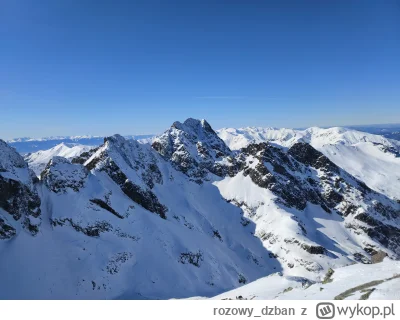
<point>133,67</point>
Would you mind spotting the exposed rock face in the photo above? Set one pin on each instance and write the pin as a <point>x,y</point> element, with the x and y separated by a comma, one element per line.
<point>271,168</point>
<point>194,148</point>
<point>386,234</point>
<point>106,206</point>
<point>60,175</point>
<point>378,257</point>
<point>18,196</point>
<point>306,154</point>
<point>91,230</point>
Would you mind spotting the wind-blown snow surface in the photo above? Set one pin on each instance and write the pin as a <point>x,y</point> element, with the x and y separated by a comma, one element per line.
<point>371,158</point>
<point>37,161</point>
<point>184,216</point>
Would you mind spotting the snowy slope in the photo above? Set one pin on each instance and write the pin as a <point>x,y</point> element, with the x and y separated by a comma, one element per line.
<point>308,212</point>
<point>372,158</point>
<point>37,161</point>
<point>128,225</point>
<point>378,281</point>
<point>236,139</point>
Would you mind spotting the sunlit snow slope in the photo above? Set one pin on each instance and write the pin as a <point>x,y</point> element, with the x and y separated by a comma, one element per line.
<point>38,160</point>
<point>353,282</point>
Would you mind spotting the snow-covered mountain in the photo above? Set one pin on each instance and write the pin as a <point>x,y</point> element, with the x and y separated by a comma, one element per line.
<point>183,216</point>
<point>38,160</point>
<point>371,158</point>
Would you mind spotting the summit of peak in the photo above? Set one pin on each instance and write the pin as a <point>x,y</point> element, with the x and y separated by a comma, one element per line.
<point>115,139</point>
<point>193,147</point>
<point>193,125</point>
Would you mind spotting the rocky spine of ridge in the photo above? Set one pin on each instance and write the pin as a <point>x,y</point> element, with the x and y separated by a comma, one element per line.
<point>83,157</point>
<point>139,163</point>
<point>19,200</point>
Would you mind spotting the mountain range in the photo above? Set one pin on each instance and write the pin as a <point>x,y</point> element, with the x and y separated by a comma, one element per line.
<point>30,145</point>
<point>195,212</point>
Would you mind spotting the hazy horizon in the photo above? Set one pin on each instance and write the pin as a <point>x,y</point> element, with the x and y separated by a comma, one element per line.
<point>143,135</point>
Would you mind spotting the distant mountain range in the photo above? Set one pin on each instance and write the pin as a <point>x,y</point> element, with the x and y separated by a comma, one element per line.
<point>390,131</point>
<point>29,145</point>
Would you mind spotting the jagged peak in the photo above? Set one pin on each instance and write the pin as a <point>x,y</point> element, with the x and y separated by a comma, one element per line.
<point>191,132</point>
<point>195,127</point>
<point>116,139</point>
<point>194,148</point>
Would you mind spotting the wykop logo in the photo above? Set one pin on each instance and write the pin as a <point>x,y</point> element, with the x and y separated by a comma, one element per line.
<point>325,310</point>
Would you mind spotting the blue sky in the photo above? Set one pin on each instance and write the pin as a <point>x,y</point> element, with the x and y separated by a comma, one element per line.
<point>134,67</point>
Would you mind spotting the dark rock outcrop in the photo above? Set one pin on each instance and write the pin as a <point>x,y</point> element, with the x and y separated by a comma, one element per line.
<point>306,154</point>
<point>276,170</point>
<point>386,234</point>
<point>6,231</point>
<point>106,206</point>
<point>91,230</point>
<point>18,196</point>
